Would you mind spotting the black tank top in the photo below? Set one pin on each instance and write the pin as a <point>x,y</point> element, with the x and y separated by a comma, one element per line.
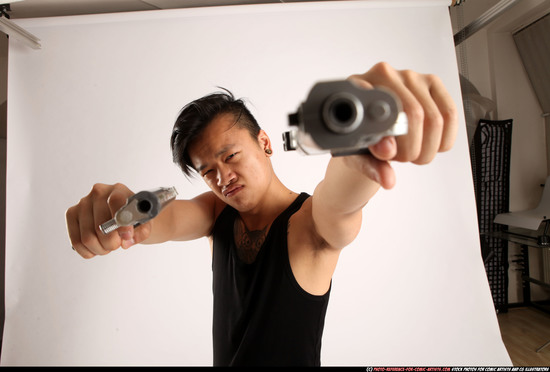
<point>262,317</point>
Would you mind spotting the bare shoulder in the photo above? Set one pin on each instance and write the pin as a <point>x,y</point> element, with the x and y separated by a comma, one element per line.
<point>211,202</point>
<point>195,217</point>
<point>312,260</point>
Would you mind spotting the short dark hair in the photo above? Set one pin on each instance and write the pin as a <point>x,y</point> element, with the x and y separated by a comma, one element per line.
<point>197,115</point>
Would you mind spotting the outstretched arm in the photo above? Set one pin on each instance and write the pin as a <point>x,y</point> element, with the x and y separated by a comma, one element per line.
<point>180,220</point>
<point>351,181</point>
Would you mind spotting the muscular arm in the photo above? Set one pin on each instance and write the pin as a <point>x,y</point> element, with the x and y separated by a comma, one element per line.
<point>180,220</point>
<point>338,201</point>
<point>349,183</point>
<point>184,220</point>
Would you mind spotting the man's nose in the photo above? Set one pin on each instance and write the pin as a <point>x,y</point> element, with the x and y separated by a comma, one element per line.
<point>225,175</point>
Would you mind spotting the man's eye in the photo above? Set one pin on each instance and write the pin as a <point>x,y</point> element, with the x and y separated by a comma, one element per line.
<point>230,156</point>
<point>207,173</point>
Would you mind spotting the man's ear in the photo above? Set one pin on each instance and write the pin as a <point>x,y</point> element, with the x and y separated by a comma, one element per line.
<point>264,141</point>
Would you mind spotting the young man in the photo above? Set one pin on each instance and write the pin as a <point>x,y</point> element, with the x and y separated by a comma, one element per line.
<point>274,251</point>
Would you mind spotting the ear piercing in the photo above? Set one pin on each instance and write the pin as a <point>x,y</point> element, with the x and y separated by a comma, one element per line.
<point>268,151</point>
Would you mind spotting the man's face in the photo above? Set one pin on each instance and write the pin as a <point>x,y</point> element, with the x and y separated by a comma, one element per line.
<point>233,163</point>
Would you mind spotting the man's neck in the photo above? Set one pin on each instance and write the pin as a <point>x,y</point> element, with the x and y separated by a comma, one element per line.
<point>274,202</point>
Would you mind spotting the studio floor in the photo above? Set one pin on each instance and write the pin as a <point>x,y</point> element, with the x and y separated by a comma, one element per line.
<point>524,330</point>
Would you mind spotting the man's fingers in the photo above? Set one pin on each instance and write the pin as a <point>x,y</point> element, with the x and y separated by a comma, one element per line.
<point>142,232</point>
<point>118,197</point>
<point>383,75</point>
<point>102,213</point>
<point>126,235</point>
<point>88,229</point>
<point>83,221</point>
<point>448,111</point>
<point>116,200</point>
<point>73,229</point>
<point>429,137</point>
<point>385,149</point>
<point>380,171</point>
<point>430,110</point>
<point>356,79</point>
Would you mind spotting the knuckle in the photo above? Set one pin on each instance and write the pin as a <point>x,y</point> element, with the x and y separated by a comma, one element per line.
<point>143,231</point>
<point>415,114</point>
<point>408,153</point>
<point>117,191</point>
<point>82,203</point>
<point>409,76</point>
<point>413,154</point>
<point>109,242</point>
<point>119,186</point>
<point>428,155</point>
<point>74,239</point>
<point>423,159</point>
<point>383,68</point>
<point>108,249</point>
<point>434,121</point>
<point>360,82</point>
<point>445,146</point>
<point>77,246</point>
<point>70,213</point>
<point>87,242</point>
<point>432,79</point>
<point>86,254</point>
<point>449,113</point>
<point>98,190</point>
<point>88,239</point>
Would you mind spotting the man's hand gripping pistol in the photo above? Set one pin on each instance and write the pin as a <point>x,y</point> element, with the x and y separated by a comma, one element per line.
<point>344,119</point>
<point>140,208</point>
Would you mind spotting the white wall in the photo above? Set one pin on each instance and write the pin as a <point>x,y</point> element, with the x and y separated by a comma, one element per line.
<point>97,103</point>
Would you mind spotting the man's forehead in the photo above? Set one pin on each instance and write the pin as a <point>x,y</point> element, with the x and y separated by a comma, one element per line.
<point>209,148</point>
<point>214,133</point>
<point>222,134</point>
<point>201,159</point>
<point>214,148</point>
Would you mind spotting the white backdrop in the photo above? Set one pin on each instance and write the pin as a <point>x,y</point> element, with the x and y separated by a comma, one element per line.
<point>97,104</point>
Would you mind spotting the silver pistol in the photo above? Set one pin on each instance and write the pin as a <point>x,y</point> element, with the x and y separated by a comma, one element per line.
<point>344,119</point>
<point>140,208</point>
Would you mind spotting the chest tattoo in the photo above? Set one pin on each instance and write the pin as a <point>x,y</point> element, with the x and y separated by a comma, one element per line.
<point>248,242</point>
